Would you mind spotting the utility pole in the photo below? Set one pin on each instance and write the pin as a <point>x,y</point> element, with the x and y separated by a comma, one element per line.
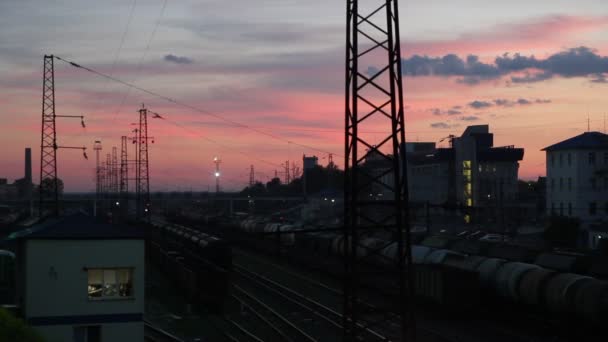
<point>217,161</point>
<point>251,176</point>
<point>98,187</point>
<point>124,167</point>
<point>287,178</point>
<point>373,28</point>
<point>114,169</point>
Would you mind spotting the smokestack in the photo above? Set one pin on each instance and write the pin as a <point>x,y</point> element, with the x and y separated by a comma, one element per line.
<point>28,165</point>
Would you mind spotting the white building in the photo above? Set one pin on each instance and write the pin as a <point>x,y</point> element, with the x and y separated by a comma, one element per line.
<point>577,182</point>
<point>83,281</point>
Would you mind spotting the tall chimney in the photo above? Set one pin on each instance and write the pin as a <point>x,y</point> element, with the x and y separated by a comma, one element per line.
<point>28,165</point>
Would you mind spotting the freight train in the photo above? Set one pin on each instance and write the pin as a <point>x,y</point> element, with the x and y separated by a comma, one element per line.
<point>200,264</point>
<point>555,284</point>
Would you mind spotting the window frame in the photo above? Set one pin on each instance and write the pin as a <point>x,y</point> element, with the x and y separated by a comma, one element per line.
<point>131,269</point>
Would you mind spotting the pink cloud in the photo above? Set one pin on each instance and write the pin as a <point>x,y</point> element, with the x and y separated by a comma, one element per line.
<point>533,35</point>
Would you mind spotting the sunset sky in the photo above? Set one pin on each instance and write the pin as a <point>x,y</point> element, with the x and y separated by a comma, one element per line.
<point>534,70</point>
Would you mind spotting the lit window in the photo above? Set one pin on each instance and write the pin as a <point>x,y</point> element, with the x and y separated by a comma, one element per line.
<point>110,283</point>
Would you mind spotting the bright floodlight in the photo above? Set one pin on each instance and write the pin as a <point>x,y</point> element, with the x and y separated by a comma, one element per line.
<point>214,158</point>
<point>217,174</point>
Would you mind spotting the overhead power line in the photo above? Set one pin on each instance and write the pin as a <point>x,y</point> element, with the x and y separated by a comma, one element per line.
<point>191,107</point>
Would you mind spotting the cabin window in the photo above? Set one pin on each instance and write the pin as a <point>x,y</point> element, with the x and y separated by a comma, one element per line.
<point>108,283</point>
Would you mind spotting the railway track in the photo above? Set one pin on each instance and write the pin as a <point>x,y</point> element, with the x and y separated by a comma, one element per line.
<point>430,326</point>
<point>154,334</point>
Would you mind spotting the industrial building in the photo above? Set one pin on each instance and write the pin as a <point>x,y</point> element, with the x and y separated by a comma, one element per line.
<point>22,188</point>
<point>577,182</point>
<point>82,280</point>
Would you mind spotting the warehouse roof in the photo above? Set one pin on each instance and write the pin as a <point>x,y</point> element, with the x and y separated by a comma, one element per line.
<point>79,227</point>
<point>587,140</point>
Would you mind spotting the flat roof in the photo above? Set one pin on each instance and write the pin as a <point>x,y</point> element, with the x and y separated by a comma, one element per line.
<point>79,227</point>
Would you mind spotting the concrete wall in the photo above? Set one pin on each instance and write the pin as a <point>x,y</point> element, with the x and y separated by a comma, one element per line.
<point>56,285</point>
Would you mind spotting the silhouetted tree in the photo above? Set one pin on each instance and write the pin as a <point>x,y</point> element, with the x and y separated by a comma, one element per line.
<point>14,329</point>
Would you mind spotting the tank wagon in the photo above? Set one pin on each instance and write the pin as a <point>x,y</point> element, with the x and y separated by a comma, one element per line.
<point>458,271</point>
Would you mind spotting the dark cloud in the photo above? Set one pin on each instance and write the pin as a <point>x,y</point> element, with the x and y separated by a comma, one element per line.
<point>454,112</point>
<point>542,101</point>
<point>440,125</point>
<point>575,62</point>
<point>479,104</point>
<point>532,78</point>
<point>472,70</point>
<point>503,102</point>
<point>177,59</point>
<point>436,111</point>
<point>523,102</point>
<point>469,118</point>
<point>457,107</point>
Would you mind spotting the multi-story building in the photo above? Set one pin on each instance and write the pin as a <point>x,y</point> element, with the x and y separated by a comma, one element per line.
<point>577,182</point>
<point>470,173</point>
<point>82,280</point>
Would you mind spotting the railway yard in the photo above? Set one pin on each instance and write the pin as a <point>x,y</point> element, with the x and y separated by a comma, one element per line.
<point>276,297</point>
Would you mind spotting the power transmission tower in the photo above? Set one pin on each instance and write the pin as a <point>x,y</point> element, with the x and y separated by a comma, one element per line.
<point>217,162</point>
<point>287,176</point>
<point>98,176</point>
<point>48,144</point>
<point>49,183</point>
<point>374,96</point>
<point>114,170</point>
<point>97,149</point>
<point>124,168</point>
<point>109,177</point>
<point>251,176</point>
<point>143,171</point>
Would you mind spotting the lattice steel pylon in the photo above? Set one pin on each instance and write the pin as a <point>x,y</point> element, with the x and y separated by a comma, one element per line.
<point>114,169</point>
<point>124,167</point>
<point>376,197</point>
<point>143,172</point>
<point>251,176</point>
<point>49,191</point>
<point>98,185</point>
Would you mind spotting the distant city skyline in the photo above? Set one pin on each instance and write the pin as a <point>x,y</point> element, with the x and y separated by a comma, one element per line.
<point>535,71</point>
